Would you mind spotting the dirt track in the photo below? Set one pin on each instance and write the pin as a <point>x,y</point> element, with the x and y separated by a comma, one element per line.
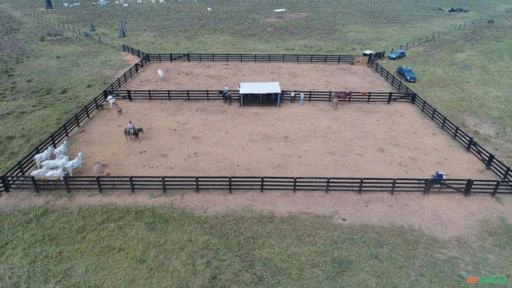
<point>211,138</point>
<point>214,76</point>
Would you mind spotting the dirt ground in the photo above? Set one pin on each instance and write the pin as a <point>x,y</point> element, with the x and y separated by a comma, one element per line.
<point>449,216</point>
<point>216,75</point>
<point>215,139</point>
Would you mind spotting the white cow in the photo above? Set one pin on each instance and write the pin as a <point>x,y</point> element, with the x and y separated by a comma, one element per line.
<point>62,150</point>
<point>161,74</point>
<point>57,163</point>
<point>74,164</point>
<point>40,172</point>
<point>60,173</point>
<point>111,99</point>
<point>43,156</point>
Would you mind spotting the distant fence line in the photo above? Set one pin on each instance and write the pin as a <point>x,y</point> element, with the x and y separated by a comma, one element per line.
<point>15,178</point>
<point>241,183</point>
<point>213,95</point>
<point>491,162</point>
<point>481,21</point>
<point>61,27</point>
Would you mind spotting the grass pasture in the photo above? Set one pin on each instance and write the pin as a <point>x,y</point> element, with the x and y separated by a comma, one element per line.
<point>105,246</point>
<point>245,26</point>
<point>466,76</point>
<point>43,79</point>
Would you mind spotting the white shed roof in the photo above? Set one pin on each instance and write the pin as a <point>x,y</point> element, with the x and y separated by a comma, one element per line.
<point>259,87</point>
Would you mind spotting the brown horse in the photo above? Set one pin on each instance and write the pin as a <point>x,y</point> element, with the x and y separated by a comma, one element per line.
<point>133,134</point>
<point>341,96</point>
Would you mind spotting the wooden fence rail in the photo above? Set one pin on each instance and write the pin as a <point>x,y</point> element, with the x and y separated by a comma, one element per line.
<point>15,178</point>
<point>468,142</point>
<point>289,58</point>
<point>213,95</point>
<point>26,163</point>
<point>240,183</point>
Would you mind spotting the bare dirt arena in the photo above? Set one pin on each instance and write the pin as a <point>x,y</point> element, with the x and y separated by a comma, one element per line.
<point>292,76</point>
<point>212,138</point>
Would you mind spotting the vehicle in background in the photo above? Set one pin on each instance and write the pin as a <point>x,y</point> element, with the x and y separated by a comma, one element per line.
<point>406,73</point>
<point>397,54</point>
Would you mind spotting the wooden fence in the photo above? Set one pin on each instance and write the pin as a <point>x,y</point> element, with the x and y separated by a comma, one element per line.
<point>289,58</point>
<point>15,178</point>
<point>491,162</point>
<point>261,184</point>
<point>213,95</point>
<point>27,163</point>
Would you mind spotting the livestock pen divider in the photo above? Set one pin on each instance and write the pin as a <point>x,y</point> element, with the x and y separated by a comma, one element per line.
<point>191,95</point>
<point>16,179</point>
<point>261,184</point>
<point>490,161</point>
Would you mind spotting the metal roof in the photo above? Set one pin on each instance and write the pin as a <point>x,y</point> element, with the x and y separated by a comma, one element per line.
<point>259,87</point>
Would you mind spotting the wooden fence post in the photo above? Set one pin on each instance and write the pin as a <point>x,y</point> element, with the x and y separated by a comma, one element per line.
<point>427,186</point>
<point>393,185</point>
<point>262,184</point>
<point>369,96</point>
<point>389,97</point>
<point>456,132</point>
<point>169,95</point>
<point>129,92</point>
<point>164,187</point>
<point>294,184</point>
<point>496,188</point>
<point>470,143</point>
<point>413,98</point>
<point>132,188</point>
<point>327,185</point>
<point>467,189</point>
<point>66,184</point>
<point>361,181</point>
<point>506,173</point>
<point>77,121</point>
<point>489,161</point>
<point>230,189</point>
<point>5,184</point>
<point>53,141</point>
<point>21,168</point>
<point>34,183</point>
<point>98,183</point>
<point>66,129</point>
<point>444,122</point>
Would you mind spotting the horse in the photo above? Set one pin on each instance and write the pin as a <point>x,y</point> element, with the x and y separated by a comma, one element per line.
<point>133,133</point>
<point>226,95</point>
<point>343,96</point>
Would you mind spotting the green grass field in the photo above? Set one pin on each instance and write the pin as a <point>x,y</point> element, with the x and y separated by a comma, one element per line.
<point>43,79</point>
<point>249,26</point>
<point>106,246</point>
<point>465,75</point>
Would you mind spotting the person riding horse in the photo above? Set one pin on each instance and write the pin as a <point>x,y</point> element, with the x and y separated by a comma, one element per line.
<point>132,132</point>
<point>131,128</point>
<point>226,95</point>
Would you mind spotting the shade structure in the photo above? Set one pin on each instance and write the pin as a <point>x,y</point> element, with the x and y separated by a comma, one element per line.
<point>260,93</point>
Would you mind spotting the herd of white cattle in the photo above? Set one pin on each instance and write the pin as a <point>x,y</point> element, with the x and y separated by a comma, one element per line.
<point>118,2</point>
<point>58,167</point>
